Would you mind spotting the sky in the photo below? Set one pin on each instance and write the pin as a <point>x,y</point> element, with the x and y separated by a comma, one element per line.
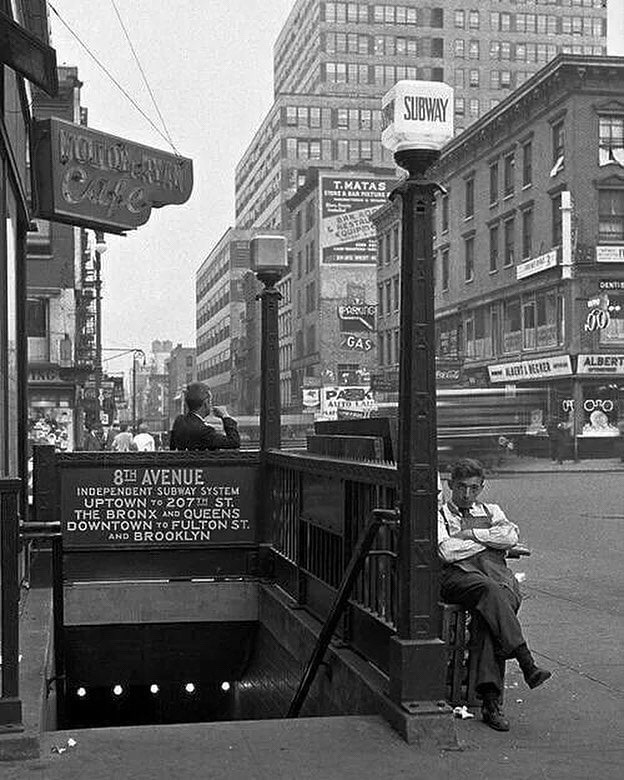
<point>209,65</point>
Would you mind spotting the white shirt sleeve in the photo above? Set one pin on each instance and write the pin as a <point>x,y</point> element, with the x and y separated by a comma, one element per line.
<point>449,548</point>
<point>502,533</point>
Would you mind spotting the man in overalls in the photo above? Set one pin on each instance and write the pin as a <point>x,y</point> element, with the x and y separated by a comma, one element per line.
<point>473,540</point>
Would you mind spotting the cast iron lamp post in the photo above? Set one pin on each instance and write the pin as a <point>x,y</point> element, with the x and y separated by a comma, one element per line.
<point>136,353</point>
<point>418,118</point>
<point>100,249</point>
<point>269,262</point>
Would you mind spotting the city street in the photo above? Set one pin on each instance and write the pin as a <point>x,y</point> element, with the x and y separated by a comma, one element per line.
<point>569,728</point>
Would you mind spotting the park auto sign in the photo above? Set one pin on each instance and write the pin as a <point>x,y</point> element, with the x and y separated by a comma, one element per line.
<point>99,181</point>
<point>417,115</point>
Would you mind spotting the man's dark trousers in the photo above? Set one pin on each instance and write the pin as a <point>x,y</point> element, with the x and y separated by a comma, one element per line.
<point>498,632</point>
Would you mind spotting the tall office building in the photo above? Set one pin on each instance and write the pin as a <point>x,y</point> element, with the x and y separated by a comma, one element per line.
<point>334,60</point>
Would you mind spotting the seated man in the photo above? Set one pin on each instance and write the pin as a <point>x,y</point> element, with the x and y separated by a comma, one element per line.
<point>472,542</point>
<point>191,432</point>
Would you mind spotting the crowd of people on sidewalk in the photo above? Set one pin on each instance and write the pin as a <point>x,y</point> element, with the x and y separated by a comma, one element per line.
<point>119,438</point>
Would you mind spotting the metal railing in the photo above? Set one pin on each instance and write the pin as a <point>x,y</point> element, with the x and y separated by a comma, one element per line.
<point>319,507</point>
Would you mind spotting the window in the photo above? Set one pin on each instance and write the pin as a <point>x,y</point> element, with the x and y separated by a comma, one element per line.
<point>512,326</point>
<point>508,175</point>
<point>510,231</point>
<point>445,213</point>
<point>37,317</point>
<point>494,182</point>
<point>556,220</point>
<point>527,164</point>
<point>291,116</point>
<point>473,50</point>
<point>528,325</point>
<point>474,77</point>
<point>380,299</point>
<point>445,269</point>
<point>557,148</point>
<point>469,200</point>
<point>397,292</point>
<point>611,140</point>
<point>473,20</point>
<point>469,259</point>
<point>474,107</point>
<point>389,296</point>
<point>460,48</point>
<point>459,78</point>
<point>494,249</point>
<point>527,233</point>
<point>611,215</point>
<point>460,19</point>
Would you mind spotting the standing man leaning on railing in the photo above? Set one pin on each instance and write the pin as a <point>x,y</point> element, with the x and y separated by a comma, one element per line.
<point>190,431</point>
<point>473,541</point>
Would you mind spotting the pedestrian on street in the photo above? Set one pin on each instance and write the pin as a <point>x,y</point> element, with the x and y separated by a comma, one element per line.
<point>557,439</point>
<point>190,431</point>
<point>92,441</point>
<point>144,441</point>
<point>112,432</point>
<point>473,540</point>
<point>123,441</point>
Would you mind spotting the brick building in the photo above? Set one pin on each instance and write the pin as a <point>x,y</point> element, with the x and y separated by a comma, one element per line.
<point>530,248</point>
<point>333,277</point>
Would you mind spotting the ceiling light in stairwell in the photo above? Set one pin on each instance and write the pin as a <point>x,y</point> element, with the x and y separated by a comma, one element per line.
<point>225,686</point>
<point>189,687</point>
<point>154,688</point>
<point>81,692</point>
<point>118,690</point>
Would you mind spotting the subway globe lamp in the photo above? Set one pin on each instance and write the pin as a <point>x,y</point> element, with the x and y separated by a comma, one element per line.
<point>417,119</point>
<point>269,261</point>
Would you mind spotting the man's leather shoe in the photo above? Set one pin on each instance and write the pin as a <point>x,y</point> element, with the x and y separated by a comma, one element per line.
<point>493,716</point>
<point>537,676</point>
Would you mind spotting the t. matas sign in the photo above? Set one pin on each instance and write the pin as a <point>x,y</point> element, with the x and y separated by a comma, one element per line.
<point>417,115</point>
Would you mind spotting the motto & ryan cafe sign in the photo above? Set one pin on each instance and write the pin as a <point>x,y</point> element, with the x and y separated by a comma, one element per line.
<point>88,178</point>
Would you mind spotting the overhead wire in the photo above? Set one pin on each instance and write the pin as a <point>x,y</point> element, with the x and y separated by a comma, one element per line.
<point>143,76</point>
<point>110,76</point>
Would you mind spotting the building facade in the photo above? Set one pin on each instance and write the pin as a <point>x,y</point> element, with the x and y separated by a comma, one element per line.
<point>60,308</point>
<point>181,371</point>
<point>333,61</point>
<point>530,247</point>
<point>333,286</point>
<point>219,306</point>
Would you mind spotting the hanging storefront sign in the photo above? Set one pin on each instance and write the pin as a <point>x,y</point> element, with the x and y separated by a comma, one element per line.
<point>346,204</point>
<point>541,368</point>
<point>611,284</point>
<point>602,365</point>
<point>610,254</point>
<point>537,264</point>
<point>95,180</point>
<point>28,55</point>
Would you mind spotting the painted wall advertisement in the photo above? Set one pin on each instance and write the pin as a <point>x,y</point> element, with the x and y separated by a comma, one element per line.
<point>347,234</point>
<point>156,507</point>
<point>354,399</point>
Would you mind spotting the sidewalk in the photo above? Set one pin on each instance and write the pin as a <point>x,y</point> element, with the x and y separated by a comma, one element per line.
<point>513,464</point>
<point>569,729</point>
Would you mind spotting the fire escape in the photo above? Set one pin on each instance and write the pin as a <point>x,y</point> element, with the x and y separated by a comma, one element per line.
<point>86,309</point>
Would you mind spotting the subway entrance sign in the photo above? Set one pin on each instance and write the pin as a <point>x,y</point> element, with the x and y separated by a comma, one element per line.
<point>417,115</point>
<point>157,505</point>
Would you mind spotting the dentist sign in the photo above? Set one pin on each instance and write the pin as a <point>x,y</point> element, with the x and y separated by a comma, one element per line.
<point>417,115</point>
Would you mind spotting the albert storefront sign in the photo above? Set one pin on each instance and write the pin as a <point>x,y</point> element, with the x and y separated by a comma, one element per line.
<point>99,181</point>
<point>540,368</point>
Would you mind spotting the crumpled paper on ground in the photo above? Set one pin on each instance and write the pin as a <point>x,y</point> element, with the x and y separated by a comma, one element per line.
<point>462,712</point>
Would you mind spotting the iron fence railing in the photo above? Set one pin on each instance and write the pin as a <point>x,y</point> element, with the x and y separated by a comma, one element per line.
<point>318,508</point>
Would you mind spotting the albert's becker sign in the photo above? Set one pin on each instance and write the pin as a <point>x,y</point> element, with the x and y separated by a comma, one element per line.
<point>95,180</point>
